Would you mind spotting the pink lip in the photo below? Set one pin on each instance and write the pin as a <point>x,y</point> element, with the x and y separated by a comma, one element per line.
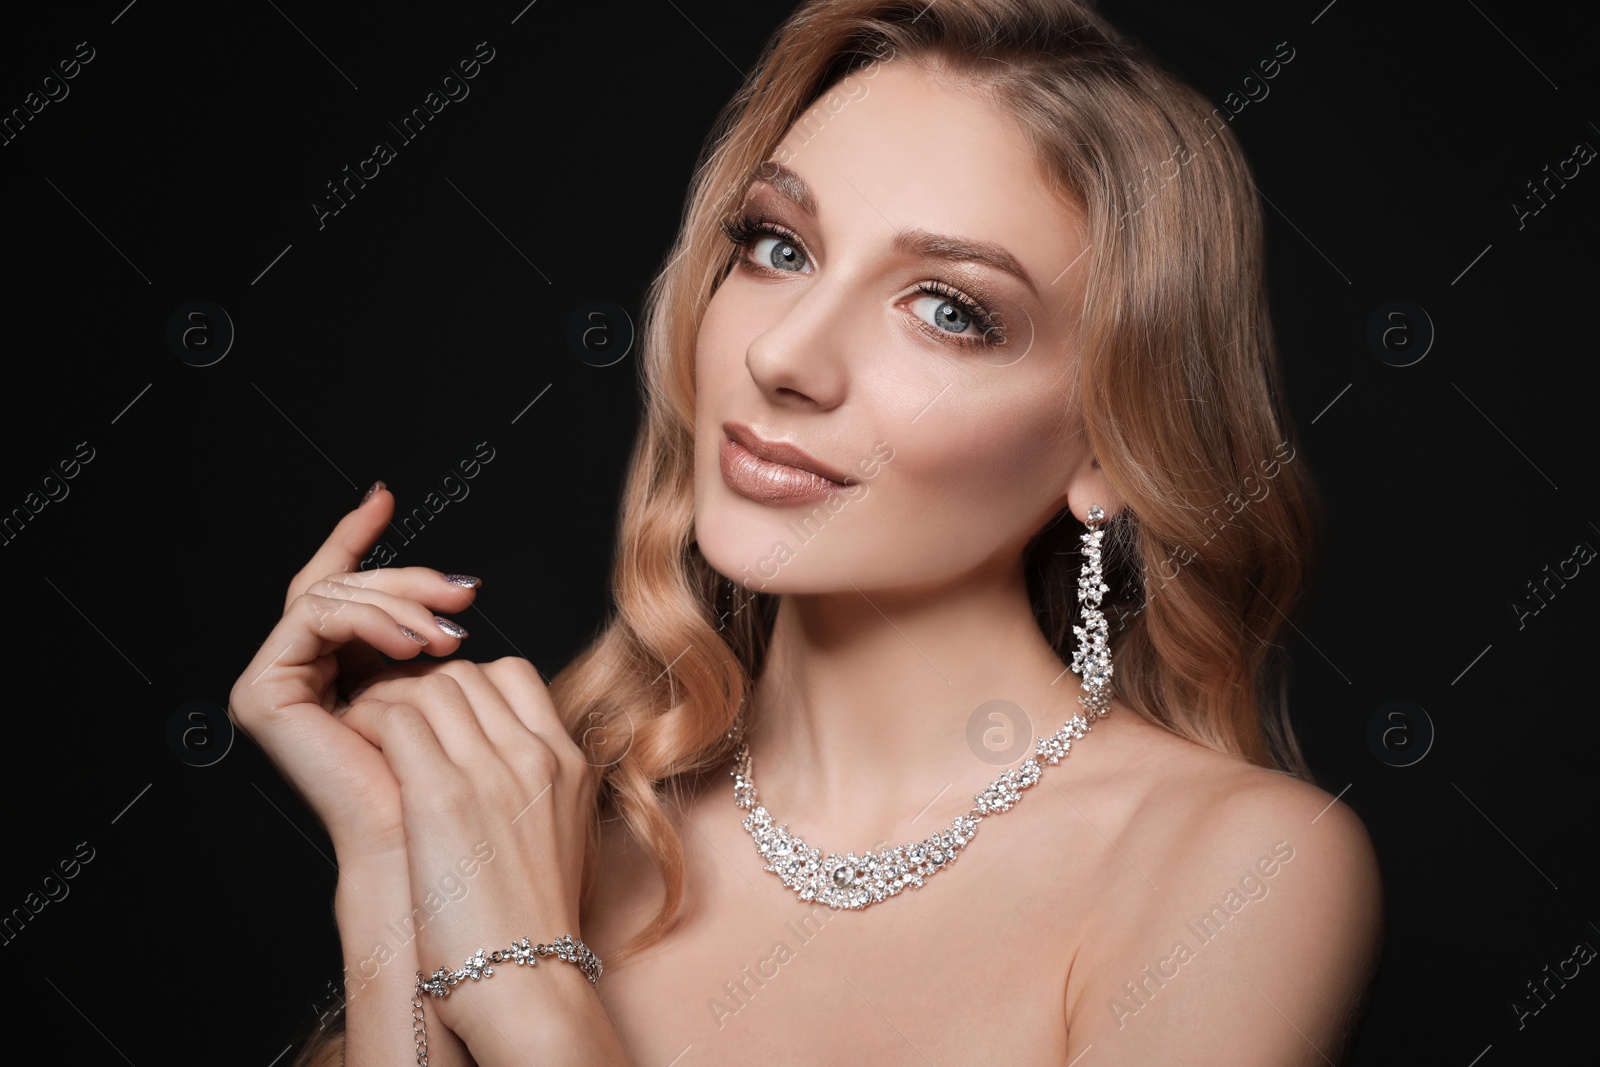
<point>774,472</point>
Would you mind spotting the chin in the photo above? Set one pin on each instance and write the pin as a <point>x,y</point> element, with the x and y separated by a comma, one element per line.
<point>739,548</point>
<point>768,547</point>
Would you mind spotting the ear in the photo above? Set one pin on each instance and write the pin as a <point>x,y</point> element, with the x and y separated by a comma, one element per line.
<point>1088,486</point>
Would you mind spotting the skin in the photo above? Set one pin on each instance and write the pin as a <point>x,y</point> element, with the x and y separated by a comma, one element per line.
<point>448,787</point>
<point>908,609</point>
<point>905,613</point>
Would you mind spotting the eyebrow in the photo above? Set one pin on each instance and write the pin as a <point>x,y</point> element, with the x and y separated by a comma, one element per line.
<point>912,241</point>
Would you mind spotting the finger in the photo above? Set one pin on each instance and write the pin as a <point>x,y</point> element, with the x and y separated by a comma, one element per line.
<point>444,635</point>
<point>523,688</point>
<point>408,669</point>
<point>404,735</point>
<point>385,671</point>
<point>352,538</point>
<point>285,665</point>
<point>448,593</point>
<point>450,714</point>
<point>435,589</point>
<point>504,729</point>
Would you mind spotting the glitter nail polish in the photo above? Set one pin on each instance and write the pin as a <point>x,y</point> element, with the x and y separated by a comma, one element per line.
<point>409,632</point>
<point>465,581</point>
<point>454,629</point>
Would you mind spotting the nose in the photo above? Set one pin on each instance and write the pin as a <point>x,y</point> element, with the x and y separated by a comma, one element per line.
<point>799,359</point>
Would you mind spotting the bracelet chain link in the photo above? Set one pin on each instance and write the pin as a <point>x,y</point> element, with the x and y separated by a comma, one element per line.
<point>480,965</point>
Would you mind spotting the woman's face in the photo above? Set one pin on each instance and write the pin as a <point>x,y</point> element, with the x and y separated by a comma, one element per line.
<point>952,424</point>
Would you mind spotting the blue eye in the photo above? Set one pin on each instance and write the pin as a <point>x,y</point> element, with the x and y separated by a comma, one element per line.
<point>953,312</point>
<point>785,255</point>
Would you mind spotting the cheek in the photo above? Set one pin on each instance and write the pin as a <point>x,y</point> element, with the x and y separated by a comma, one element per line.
<point>967,479</point>
<point>719,352</point>
<point>720,378</point>
<point>987,435</point>
<point>982,461</point>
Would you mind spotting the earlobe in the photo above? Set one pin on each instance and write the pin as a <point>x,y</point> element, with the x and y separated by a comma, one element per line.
<point>1090,487</point>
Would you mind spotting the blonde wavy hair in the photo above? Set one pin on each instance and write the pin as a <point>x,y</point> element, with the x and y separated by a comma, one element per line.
<point>1178,384</point>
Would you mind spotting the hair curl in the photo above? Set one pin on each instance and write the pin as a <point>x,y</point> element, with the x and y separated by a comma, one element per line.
<point>1178,385</point>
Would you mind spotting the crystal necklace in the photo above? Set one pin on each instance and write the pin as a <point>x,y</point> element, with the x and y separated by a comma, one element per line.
<point>852,881</point>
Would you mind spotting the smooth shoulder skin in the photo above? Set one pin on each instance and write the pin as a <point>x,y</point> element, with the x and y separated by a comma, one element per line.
<point>1259,935</point>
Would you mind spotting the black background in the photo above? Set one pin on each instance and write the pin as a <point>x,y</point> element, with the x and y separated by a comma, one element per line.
<point>430,313</point>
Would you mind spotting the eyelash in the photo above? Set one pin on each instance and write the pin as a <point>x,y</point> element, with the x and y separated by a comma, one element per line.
<point>743,229</point>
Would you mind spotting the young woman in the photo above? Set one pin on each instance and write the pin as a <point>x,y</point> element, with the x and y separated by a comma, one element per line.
<point>960,379</point>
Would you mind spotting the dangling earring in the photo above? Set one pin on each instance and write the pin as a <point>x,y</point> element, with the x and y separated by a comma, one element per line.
<point>1092,657</point>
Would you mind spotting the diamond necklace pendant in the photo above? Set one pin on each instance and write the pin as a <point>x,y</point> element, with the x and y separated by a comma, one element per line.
<point>851,881</point>
<point>858,881</point>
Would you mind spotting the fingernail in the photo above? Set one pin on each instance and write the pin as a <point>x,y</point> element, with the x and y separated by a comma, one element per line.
<point>454,629</point>
<point>375,487</point>
<point>466,581</point>
<point>409,632</point>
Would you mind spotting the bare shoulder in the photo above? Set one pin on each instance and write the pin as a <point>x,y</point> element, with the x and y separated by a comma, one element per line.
<point>1257,924</point>
<point>1215,804</point>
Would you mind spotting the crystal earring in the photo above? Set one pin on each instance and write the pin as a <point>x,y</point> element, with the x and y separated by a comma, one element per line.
<point>1092,657</point>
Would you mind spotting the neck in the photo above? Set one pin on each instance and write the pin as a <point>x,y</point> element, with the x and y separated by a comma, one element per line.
<point>863,722</point>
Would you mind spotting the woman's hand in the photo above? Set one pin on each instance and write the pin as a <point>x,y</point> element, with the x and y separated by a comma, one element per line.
<point>486,772</point>
<point>336,620</point>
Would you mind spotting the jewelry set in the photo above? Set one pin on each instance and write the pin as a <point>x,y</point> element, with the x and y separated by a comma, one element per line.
<point>851,880</point>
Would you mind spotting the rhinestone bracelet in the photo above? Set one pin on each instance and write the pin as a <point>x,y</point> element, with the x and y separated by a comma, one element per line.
<point>478,966</point>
